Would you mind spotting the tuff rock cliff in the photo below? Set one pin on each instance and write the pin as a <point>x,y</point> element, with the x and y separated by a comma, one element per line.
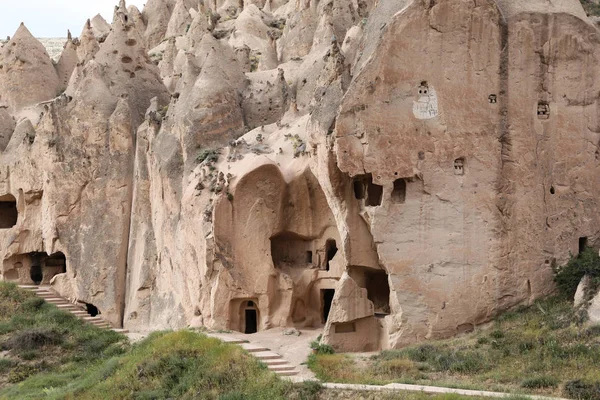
<point>389,170</point>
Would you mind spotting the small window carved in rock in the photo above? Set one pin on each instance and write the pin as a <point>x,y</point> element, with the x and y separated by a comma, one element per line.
<point>399,192</point>
<point>309,257</point>
<point>459,166</point>
<point>493,99</point>
<point>364,188</point>
<point>543,110</point>
<point>359,189</point>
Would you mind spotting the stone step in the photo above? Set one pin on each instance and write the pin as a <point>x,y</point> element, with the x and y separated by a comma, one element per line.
<point>123,331</point>
<point>281,368</point>
<point>67,307</point>
<point>57,301</point>
<point>28,287</point>
<point>286,373</point>
<point>230,340</point>
<point>80,312</point>
<point>252,348</point>
<point>92,320</point>
<point>266,355</point>
<point>275,361</point>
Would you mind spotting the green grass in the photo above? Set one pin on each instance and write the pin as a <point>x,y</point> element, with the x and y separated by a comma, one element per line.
<point>540,349</point>
<point>53,355</point>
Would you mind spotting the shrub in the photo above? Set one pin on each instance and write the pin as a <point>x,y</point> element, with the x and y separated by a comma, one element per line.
<point>30,355</point>
<point>467,362</point>
<point>395,367</point>
<point>581,390</point>
<point>22,372</point>
<point>6,364</point>
<point>496,334</point>
<point>421,353</point>
<point>34,338</point>
<point>307,390</point>
<point>33,304</point>
<point>323,349</point>
<point>208,155</point>
<point>539,382</point>
<point>319,348</point>
<point>567,278</point>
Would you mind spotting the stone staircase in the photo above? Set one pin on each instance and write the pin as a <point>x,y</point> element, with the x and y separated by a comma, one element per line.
<point>50,296</point>
<point>275,362</point>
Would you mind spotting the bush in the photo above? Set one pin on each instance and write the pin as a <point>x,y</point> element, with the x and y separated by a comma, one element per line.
<point>6,364</point>
<point>395,367</point>
<point>466,362</point>
<point>22,372</point>
<point>34,338</point>
<point>581,390</point>
<point>540,382</point>
<point>567,278</point>
<point>319,348</point>
<point>421,353</point>
<point>208,155</point>
<point>33,304</point>
<point>307,390</point>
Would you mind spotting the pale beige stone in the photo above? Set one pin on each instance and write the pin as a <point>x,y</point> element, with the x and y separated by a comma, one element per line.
<point>389,172</point>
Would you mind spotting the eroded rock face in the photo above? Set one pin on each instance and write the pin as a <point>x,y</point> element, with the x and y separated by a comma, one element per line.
<point>390,171</point>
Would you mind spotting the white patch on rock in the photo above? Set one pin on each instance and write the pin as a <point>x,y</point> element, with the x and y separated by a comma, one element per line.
<point>427,105</point>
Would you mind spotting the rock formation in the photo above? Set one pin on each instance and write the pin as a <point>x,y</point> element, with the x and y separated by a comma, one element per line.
<point>388,171</point>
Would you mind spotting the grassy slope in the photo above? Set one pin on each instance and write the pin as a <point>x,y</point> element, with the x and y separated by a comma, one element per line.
<point>48,354</point>
<point>532,350</point>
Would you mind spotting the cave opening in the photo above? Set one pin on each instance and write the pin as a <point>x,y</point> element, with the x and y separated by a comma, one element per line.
<point>326,301</point>
<point>251,321</point>
<point>92,309</point>
<point>8,211</point>
<point>359,189</point>
<point>331,250</point>
<point>291,249</point>
<point>366,189</point>
<point>399,191</point>
<point>36,274</point>
<point>378,291</point>
<point>309,257</point>
<point>249,317</point>
<point>583,242</point>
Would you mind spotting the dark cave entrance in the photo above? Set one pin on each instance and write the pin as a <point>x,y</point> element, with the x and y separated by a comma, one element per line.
<point>36,274</point>
<point>378,291</point>
<point>251,321</point>
<point>331,250</point>
<point>44,267</point>
<point>399,191</point>
<point>249,317</point>
<point>8,211</point>
<point>583,242</point>
<point>92,309</point>
<point>364,188</point>
<point>326,300</point>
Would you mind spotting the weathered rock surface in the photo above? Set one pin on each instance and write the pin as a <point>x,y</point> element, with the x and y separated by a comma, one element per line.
<point>591,307</point>
<point>391,171</point>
